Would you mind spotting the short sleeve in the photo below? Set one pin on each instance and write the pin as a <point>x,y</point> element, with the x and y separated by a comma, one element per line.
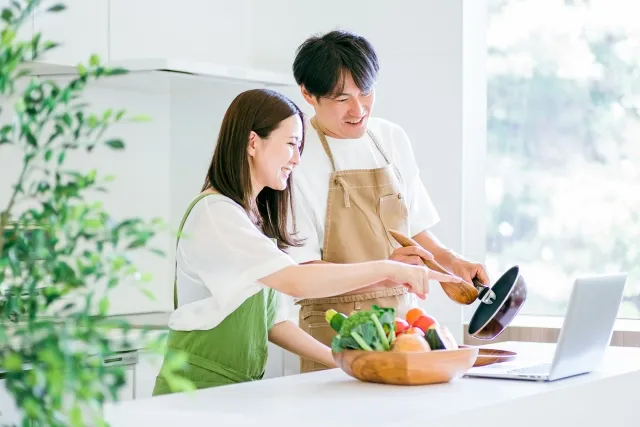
<point>227,252</point>
<point>422,212</point>
<point>305,222</point>
<point>283,308</point>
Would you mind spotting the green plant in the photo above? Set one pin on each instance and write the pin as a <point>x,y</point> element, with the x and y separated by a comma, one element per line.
<point>60,250</point>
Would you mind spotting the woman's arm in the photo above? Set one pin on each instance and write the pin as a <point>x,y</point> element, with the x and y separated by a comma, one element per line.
<point>292,338</point>
<point>325,280</point>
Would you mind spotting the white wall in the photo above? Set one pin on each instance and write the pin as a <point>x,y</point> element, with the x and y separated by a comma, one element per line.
<point>202,30</point>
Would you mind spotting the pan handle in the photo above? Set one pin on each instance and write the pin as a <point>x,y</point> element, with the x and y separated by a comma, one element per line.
<point>485,293</point>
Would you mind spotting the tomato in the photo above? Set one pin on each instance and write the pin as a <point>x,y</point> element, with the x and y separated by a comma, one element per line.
<point>414,313</point>
<point>424,323</point>
<point>413,330</point>
<point>401,325</point>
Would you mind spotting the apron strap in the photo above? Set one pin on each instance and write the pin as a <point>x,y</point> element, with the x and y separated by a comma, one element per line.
<point>378,146</point>
<point>323,141</point>
<point>384,154</point>
<point>325,144</point>
<point>218,368</point>
<point>184,219</point>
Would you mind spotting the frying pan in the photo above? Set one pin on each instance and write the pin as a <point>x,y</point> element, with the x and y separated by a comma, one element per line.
<point>499,304</point>
<point>490,320</point>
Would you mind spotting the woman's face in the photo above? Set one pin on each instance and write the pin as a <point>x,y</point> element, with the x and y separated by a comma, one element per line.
<point>272,159</point>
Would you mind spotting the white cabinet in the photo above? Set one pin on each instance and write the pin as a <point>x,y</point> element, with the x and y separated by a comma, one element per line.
<point>9,414</point>
<point>216,31</point>
<point>127,392</point>
<point>82,30</point>
<point>127,360</point>
<point>275,362</point>
<point>146,371</point>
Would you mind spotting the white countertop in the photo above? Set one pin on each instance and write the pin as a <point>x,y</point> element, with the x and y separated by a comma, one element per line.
<point>333,398</point>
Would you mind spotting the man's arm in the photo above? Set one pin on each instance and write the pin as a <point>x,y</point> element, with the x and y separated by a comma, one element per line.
<point>451,261</point>
<point>441,254</point>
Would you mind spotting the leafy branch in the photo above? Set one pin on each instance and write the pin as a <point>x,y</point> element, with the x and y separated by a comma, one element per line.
<point>58,248</point>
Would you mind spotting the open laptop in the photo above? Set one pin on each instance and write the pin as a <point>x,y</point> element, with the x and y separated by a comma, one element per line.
<point>586,333</point>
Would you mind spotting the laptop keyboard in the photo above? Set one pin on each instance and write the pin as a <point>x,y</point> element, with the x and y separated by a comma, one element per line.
<point>542,368</point>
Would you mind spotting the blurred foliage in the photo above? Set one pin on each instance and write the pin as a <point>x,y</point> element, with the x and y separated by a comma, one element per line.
<point>563,145</point>
<point>60,250</point>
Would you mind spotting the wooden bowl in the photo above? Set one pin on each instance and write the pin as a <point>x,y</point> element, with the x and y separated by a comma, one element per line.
<point>489,356</point>
<point>419,368</point>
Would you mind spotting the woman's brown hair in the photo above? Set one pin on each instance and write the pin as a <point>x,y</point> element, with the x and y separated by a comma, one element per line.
<point>261,111</point>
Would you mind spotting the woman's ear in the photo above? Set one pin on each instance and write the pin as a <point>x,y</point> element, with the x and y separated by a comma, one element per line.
<point>253,141</point>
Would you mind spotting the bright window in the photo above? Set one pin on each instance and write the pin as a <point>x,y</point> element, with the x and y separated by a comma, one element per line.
<point>563,161</point>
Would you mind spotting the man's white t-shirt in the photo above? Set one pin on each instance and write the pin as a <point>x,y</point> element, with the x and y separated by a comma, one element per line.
<point>220,257</point>
<point>311,180</point>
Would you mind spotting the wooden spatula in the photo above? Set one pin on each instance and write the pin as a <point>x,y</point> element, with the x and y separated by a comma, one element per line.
<point>462,292</point>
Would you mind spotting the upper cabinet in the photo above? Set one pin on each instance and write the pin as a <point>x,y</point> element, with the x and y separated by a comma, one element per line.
<point>213,31</point>
<point>82,30</point>
<point>196,38</point>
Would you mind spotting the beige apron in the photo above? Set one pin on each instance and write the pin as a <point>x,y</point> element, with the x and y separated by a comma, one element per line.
<point>362,205</point>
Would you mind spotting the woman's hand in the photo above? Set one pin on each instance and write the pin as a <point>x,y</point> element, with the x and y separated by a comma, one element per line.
<point>417,277</point>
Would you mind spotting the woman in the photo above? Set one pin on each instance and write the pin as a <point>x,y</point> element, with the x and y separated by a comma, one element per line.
<point>230,259</point>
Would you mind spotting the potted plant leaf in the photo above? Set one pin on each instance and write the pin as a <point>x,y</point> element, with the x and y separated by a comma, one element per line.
<point>59,247</point>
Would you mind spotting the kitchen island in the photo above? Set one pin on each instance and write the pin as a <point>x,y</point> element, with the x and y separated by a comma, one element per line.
<point>609,397</point>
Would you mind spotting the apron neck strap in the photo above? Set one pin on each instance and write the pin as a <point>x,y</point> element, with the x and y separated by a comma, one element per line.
<point>184,219</point>
<point>325,144</point>
<point>323,141</point>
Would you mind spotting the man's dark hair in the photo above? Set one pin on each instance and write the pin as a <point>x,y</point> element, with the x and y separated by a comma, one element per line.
<point>323,62</point>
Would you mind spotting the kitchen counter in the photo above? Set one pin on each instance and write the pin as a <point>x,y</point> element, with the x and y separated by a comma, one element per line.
<point>606,397</point>
<point>157,320</point>
<point>143,328</point>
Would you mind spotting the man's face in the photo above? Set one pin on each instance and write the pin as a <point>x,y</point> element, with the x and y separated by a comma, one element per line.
<point>343,115</point>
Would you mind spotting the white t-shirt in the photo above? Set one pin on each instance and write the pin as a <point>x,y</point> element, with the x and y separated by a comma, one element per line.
<point>220,257</point>
<point>311,180</point>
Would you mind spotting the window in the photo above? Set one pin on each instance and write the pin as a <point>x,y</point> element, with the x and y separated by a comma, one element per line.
<point>563,159</point>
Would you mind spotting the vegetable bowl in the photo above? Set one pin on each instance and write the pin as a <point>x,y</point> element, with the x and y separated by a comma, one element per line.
<point>375,346</point>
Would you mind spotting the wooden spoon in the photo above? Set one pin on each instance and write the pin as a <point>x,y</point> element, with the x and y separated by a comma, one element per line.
<point>462,292</point>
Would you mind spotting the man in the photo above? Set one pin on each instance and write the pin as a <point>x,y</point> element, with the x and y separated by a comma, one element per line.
<point>359,180</point>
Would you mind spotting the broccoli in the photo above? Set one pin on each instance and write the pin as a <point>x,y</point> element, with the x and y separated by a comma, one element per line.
<point>368,330</point>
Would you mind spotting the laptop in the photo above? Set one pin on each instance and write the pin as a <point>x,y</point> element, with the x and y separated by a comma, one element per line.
<point>586,333</point>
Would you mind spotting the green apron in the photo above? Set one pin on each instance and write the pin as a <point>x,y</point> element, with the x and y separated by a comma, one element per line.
<point>234,351</point>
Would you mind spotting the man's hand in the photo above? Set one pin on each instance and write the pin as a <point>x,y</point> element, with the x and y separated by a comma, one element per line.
<point>468,270</point>
<point>414,255</point>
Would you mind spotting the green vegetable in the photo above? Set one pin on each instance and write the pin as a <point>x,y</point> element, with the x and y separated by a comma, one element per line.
<point>365,330</point>
<point>335,319</point>
<point>439,338</point>
<point>381,333</point>
<point>433,338</point>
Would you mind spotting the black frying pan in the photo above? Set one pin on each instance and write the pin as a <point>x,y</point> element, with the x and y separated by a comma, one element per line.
<point>490,320</point>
